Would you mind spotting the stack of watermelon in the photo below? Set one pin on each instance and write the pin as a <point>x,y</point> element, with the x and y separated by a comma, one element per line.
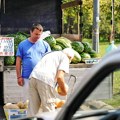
<point>82,50</point>
<point>18,37</point>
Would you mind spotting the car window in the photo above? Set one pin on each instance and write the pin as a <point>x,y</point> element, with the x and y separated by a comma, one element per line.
<point>105,97</point>
<point>94,90</point>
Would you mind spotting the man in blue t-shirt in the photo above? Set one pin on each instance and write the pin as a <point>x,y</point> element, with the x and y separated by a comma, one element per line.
<point>29,52</point>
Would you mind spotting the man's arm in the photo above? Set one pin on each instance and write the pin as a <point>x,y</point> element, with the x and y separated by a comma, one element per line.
<point>18,71</point>
<point>61,82</point>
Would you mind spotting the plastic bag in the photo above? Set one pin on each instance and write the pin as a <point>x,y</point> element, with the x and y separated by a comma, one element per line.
<point>111,47</point>
<point>45,34</point>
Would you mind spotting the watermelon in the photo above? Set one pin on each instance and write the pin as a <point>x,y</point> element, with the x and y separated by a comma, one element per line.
<point>77,58</point>
<point>93,54</point>
<point>87,47</point>
<point>84,56</point>
<point>56,47</point>
<point>63,42</point>
<point>50,40</point>
<point>78,46</point>
<point>9,60</point>
<point>66,39</point>
<point>15,48</point>
<point>19,37</point>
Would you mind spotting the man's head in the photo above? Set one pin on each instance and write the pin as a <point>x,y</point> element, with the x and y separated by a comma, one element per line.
<point>69,52</point>
<point>37,26</point>
<point>35,32</point>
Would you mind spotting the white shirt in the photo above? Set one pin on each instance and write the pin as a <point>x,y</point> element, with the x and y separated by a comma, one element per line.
<point>48,66</point>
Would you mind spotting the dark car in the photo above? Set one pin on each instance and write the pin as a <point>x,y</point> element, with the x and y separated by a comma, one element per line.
<point>72,108</point>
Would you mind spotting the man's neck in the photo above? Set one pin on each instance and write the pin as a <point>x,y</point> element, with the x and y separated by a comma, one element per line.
<point>31,40</point>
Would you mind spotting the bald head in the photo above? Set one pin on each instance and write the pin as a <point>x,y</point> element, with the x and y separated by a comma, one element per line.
<point>69,52</point>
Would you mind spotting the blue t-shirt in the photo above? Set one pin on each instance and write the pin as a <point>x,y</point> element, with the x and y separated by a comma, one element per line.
<point>30,54</point>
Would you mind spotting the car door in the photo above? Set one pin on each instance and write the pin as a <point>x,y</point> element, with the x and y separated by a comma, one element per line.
<point>108,64</point>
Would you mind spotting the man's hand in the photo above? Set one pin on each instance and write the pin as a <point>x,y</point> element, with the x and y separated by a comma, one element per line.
<point>20,81</point>
<point>60,91</point>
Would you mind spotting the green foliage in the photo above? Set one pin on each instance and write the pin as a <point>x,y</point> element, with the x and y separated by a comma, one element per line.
<point>71,19</point>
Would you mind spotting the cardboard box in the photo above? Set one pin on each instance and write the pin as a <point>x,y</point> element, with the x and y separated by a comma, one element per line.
<point>13,114</point>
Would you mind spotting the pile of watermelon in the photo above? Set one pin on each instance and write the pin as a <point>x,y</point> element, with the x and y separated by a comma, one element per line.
<point>82,50</point>
<point>18,37</point>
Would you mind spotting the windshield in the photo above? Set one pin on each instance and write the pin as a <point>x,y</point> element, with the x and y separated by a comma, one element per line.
<point>104,97</point>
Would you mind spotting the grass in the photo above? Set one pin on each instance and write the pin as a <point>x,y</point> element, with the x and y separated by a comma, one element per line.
<point>115,100</point>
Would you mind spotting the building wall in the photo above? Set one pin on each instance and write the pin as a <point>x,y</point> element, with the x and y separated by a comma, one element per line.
<point>19,15</point>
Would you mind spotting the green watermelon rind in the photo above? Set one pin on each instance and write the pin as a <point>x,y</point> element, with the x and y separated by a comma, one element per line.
<point>50,40</point>
<point>77,58</point>
<point>84,56</point>
<point>9,60</point>
<point>87,47</point>
<point>56,47</point>
<point>78,46</point>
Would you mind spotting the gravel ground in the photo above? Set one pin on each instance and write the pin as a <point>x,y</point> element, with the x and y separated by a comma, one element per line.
<point>94,104</point>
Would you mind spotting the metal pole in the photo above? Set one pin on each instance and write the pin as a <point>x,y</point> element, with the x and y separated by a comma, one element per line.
<point>78,21</point>
<point>62,21</point>
<point>95,35</point>
<point>112,21</point>
<point>81,22</point>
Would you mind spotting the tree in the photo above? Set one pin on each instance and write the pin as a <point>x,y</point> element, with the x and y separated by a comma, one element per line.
<point>71,19</point>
